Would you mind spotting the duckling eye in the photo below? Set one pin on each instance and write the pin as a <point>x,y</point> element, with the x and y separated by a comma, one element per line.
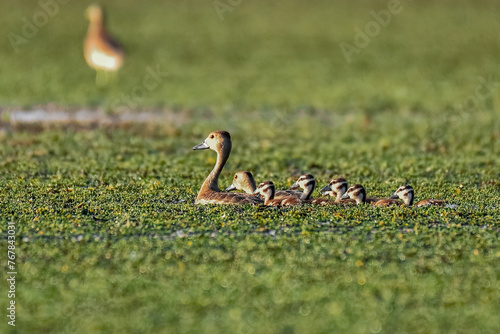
<point>211,136</point>
<point>235,177</point>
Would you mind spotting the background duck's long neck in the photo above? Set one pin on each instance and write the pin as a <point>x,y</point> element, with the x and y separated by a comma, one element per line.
<point>96,24</point>
<point>212,181</point>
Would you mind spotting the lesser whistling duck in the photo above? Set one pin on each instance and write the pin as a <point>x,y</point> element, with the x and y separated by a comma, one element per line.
<point>407,194</point>
<point>267,190</point>
<point>102,52</point>
<point>210,193</point>
<point>246,182</point>
<point>308,183</point>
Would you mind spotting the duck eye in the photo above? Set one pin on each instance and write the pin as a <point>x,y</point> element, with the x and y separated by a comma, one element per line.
<point>211,136</point>
<point>235,177</point>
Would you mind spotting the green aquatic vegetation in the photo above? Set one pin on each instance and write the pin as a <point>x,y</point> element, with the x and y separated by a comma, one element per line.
<point>109,238</point>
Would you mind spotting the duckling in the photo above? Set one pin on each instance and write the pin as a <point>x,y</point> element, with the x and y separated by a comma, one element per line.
<point>356,192</point>
<point>267,190</point>
<point>407,194</point>
<point>308,183</point>
<point>337,188</point>
<point>102,52</point>
<point>210,193</point>
<point>245,181</point>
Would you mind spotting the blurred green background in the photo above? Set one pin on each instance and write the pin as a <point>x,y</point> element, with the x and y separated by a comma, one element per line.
<point>260,54</point>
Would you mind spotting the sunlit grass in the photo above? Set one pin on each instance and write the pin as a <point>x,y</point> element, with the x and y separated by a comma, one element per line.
<point>109,238</point>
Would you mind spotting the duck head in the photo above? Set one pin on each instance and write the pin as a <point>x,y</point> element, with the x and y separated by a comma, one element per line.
<point>356,192</point>
<point>406,193</point>
<point>243,181</point>
<point>336,188</point>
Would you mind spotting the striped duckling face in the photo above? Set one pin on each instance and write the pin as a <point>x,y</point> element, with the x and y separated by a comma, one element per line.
<point>336,188</point>
<point>266,189</point>
<point>243,181</point>
<point>357,192</point>
<point>307,183</point>
<point>406,193</point>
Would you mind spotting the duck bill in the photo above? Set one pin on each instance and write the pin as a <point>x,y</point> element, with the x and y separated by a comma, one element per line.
<point>326,190</point>
<point>231,188</point>
<point>295,186</point>
<point>202,146</point>
<point>256,192</point>
<point>394,196</point>
<point>345,196</point>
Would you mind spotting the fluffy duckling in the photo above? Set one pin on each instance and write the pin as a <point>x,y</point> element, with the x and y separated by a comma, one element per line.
<point>210,193</point>
<point>356,192</point>
<point>336,189</point>
<point>246,182</point>
<point>267,190</point>
<point>407,194</point>
<point>102,52</point>
<point>308,183</point>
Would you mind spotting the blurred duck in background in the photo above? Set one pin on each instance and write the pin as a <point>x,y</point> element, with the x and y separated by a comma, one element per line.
<point>102,52</point>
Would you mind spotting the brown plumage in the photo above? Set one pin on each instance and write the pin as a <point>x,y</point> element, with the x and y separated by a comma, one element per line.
<point>385,202</point>
<point>407,194</point>
<point>267,190</point>
<point>102,52</point>
<point>210,193</point>
<point>246,182</point>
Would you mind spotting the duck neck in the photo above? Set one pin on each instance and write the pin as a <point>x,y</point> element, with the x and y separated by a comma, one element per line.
<point>362,197</point>
<point>250,187</point>
<point>308,190</point>
<point>340,193</point>
<point>409,198</point>
<point>212,181</point>
<point>95,26</point>
<point>269,195</point>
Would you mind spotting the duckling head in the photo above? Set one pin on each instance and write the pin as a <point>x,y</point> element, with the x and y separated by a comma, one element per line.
<point>406,193</point>
<point>94,13</point>
<point>305,182</point>
<point>266,189</point>
<point>336,186</point>
<point>218,141</point>
<point>356,192</point>
<point>243,181</point>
